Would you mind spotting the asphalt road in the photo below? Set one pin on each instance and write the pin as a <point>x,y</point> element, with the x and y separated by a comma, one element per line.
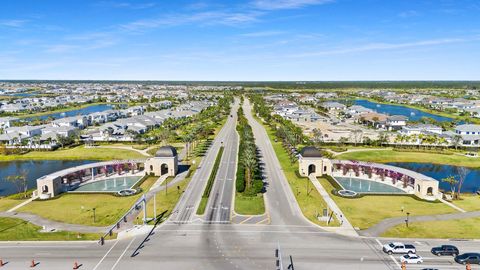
<point>220,202</point>
<point>187,242</point>
<point>185,211</point>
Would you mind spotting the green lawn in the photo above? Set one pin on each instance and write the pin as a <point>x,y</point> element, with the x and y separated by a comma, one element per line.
<point>248,205</point>
<point>77,153</point>
<point>459,228</point>
<point>310,205</point>
<point>369,210</point>
<point>468,202</point>
<point>8,203</point>
<point>77,208</point>
<point>166,201</point>
<point>12,229</point>
<point>383,156</point>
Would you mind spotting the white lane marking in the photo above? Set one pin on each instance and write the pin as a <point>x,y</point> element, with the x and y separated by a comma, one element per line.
<point>391,256</point>
<point>379,243</point>
<point>123,253</point>
<point>395,261</point>
<point>106,254</point>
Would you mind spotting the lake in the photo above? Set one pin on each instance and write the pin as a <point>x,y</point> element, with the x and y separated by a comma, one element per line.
<point>412,114</point>
<point>35,169</point>
<point>471,183</point>
<point>82,111</point>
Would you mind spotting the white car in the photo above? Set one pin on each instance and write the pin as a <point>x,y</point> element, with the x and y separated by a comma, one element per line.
<point>411,258</point>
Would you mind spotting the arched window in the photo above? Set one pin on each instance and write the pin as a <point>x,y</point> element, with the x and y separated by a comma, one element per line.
<point>418,188</point>
<point>151,167</point>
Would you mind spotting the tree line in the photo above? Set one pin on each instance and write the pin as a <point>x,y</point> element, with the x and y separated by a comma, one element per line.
<point>249,180</point>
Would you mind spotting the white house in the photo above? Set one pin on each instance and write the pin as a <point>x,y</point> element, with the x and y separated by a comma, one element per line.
<point>396,122</point>
<point>6,122</point>
<point>420,129</point>
<point>333,106</point>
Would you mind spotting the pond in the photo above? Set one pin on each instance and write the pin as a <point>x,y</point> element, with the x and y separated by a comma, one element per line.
<point>412,114</point>
<point>438,172</point>
<point>34,169</point>
<point>82,111</point>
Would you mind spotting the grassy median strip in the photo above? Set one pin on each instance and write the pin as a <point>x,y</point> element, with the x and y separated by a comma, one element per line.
<point>13,229</point>
<point>211,180</point>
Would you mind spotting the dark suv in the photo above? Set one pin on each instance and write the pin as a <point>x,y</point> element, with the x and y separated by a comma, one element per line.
<point>472,258</point>
<point>445,250</point>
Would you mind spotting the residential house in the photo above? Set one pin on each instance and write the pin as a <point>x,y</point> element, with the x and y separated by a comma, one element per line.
<point>420,129</point>
<point>6,122</point>
<point>333,106</point>
<point>373,119</point>
<point>396,122</point>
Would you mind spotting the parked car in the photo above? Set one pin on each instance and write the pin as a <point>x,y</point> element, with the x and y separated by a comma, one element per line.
<point>411,258</point>
<point>445,250</point>
<point>472,258</point>
<point>399,248</point>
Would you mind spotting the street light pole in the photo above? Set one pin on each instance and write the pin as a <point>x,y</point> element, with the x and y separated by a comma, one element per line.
<point>407,220</point>
<point>94,214</point>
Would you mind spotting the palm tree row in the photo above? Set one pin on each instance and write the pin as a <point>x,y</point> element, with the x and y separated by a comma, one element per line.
<point>248,179</point>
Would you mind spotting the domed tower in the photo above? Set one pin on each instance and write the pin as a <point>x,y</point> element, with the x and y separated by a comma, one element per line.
<point>311,161</point>
<point>165,162</point>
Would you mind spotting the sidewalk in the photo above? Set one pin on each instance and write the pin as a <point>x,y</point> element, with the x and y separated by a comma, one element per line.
<point>345,226</point>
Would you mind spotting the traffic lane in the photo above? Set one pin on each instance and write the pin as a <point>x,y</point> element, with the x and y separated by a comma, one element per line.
<point>423,248</point>
<point>185,210</point>
<point>228,180</point>
<point>55,255</point>
<point>309,250</point>
<point>214,204</point>
<point>283,208</point>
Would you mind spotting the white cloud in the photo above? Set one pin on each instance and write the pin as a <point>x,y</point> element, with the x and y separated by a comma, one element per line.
<point>125,5</point>
<point>408,14</point>
<point>263,34</point>
<point>386,46</point>
<point>205,18</point>
<point>287,4</point>
<point>13,23</point>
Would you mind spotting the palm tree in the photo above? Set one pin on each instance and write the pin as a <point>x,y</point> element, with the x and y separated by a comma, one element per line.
<point>249,161</point>
<point>452,181</point>
<point>317,136</point>
<point>456,140</point>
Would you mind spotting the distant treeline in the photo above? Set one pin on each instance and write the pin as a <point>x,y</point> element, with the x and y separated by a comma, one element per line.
<point>292,84</point>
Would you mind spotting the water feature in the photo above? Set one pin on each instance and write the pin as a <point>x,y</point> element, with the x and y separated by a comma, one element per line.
<point>82,111</point>
<point>366,186</point>
<point>439,171</point>
<point>114,184</point>
<point>412,114</point>
<point>35,169</point>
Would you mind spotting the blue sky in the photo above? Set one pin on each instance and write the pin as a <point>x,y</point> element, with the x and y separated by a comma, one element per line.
<point>240,40</point>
